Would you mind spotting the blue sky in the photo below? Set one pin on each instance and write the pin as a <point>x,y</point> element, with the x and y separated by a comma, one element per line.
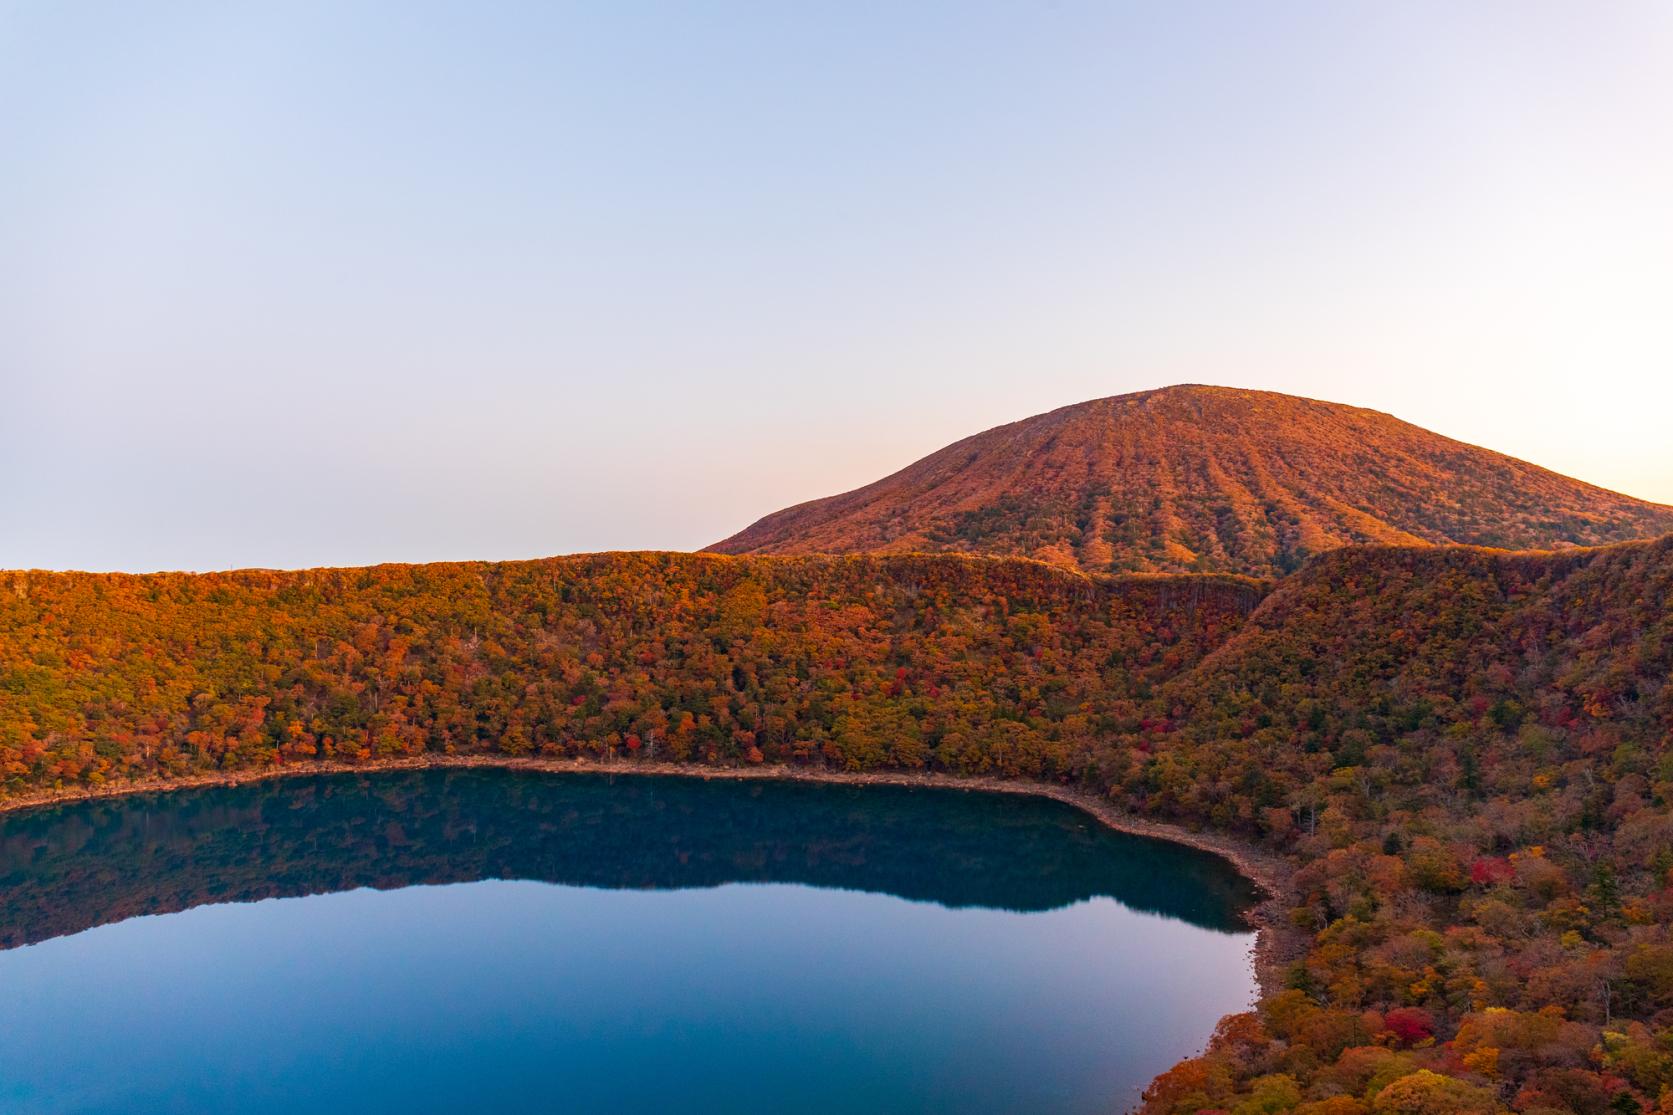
<point>302,283</point>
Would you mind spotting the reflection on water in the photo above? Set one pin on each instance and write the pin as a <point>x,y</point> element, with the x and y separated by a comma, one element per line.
<point>636,945</point>
<point>68,868</point>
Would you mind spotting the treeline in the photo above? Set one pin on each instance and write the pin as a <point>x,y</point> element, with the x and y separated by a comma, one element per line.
<point>1464,753</point>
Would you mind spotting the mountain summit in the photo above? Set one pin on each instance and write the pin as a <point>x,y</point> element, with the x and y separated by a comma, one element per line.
<point>1194,478</point>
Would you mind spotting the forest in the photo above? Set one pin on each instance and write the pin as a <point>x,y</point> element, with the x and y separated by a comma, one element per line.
<point>1467,756</point>
<point>1462,753</point>
<point>959,664</point>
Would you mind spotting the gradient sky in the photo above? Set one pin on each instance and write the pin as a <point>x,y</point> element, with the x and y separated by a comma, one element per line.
<point>298,283</point>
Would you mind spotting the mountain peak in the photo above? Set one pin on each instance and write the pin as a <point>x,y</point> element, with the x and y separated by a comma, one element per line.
<point>1195,477</point>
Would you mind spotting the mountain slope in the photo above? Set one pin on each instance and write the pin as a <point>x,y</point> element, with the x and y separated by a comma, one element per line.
<point>1208,479</point>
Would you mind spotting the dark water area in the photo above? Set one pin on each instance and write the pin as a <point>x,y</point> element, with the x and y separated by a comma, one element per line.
<point>481,940</point>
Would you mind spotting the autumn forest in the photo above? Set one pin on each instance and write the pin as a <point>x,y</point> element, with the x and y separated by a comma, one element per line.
<point>1462,758</point>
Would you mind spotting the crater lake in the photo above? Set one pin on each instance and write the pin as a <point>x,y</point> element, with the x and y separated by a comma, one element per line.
<point>489,940</point>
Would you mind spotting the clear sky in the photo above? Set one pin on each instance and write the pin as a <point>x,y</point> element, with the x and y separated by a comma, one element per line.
<point>296,283</point>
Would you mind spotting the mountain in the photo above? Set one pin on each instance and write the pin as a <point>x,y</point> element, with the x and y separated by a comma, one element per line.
<point>1207,479</point>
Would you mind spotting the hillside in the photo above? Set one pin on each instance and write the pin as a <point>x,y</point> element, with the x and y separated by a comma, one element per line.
<point>1465,755</point>
<point>1469,755</point>
<point>1204,479</point>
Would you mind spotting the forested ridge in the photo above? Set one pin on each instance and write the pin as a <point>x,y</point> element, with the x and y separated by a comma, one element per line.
<point>964,665</point>
<point>1464,753</point>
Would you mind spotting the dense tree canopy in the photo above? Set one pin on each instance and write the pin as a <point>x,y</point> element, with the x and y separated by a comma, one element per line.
<point>1463,753</point>
<point>1467,755</point>
<point>963,665</point>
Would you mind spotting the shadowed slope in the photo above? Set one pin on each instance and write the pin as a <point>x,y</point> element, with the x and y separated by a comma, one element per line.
<point>1205,478</point>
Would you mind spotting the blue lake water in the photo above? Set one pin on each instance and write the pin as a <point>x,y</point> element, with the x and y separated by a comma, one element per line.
<point>486,941</point>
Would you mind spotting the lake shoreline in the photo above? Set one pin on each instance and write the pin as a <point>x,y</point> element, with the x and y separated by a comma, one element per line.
<point>1274,946</point>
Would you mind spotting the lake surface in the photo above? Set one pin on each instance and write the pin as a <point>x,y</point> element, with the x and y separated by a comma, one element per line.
<point>485,941</point>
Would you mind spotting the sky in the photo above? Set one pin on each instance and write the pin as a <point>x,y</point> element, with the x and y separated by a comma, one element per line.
<point>341,282</point>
